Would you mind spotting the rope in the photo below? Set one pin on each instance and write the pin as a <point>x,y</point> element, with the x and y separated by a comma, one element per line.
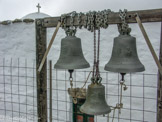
<point>114,114</point>
<point>75,98</point>
<point>86,79</point>
<point>118,105</point>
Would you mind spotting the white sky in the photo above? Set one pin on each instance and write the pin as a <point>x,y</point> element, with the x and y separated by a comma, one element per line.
<point>12,9</point>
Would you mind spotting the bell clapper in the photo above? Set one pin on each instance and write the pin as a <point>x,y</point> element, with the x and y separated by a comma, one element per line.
<point>75,100</point>
<point>71,77</point>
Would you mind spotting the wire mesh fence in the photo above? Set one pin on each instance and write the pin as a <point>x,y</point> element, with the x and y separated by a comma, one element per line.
<point>139,100</point>
<point>18,96</point>
<point>18,99</point>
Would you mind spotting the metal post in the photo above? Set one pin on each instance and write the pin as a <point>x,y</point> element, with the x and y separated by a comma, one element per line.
<point>50,84</point>
<point>41,76</point>
<point>159,98</point>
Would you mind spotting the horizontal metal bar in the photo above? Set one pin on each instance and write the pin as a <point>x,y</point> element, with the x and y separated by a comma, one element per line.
<point>153,15</point>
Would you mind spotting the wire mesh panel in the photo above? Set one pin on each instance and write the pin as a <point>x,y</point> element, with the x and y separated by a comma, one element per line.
<point>139,100</point>
<point>18,99</point>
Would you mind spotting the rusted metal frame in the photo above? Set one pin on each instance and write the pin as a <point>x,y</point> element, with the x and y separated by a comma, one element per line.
<point>159,91</point>
<point>41,77</point>
<point>153,15</point>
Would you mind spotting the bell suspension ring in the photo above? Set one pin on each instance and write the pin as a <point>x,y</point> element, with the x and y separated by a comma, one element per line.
<point>123,28</point>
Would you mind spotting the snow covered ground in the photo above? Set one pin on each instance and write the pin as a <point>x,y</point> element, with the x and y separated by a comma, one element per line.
<point>18,41</point>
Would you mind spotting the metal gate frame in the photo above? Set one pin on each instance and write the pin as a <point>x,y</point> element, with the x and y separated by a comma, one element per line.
<point>41,27</point>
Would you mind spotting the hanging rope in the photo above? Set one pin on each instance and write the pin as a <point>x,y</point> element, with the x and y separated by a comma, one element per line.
<point>86,79</point>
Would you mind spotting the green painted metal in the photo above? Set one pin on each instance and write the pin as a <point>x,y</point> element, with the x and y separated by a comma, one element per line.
<point>77,112</point>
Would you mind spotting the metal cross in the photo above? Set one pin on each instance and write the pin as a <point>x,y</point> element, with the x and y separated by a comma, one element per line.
<point>38,6</point>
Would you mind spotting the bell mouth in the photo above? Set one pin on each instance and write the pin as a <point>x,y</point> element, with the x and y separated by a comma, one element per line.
<point>71,66</point>
<point>124,68</point>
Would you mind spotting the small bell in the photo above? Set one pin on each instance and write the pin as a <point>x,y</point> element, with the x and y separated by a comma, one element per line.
<point>124,58</point>
<point>95,103</point>
<point>71,56</point>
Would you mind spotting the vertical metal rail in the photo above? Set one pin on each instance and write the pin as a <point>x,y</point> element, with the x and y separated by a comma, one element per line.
<point>33,90</point>
<point>57,108</point>
<point>66,96</point>
<point>130,97</point>
<point>107,92</point>
<point>18,64</point>
<point>4,86</point>
<point>41,77</point>
<point>26,83</point>
<point>118,97</point>
<point>159,91</point>
<point>50,101</point>
<point>143,97</point>
<point>11,89</point>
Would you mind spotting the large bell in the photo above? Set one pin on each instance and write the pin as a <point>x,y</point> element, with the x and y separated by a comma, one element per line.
<point>71,56</point>
<point>95,103</point>
<point>124,58</point>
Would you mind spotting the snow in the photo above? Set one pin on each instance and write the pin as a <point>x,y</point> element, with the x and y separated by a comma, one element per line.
<point>18,41</point>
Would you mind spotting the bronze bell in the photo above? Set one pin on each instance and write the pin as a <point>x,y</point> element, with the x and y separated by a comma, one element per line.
<point>95,103</point>
<point>71,56</point>
<point>124,58</point>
